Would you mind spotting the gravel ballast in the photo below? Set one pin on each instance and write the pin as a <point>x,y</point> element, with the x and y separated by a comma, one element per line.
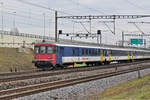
<point>76,92</point>
<point>40,80</point>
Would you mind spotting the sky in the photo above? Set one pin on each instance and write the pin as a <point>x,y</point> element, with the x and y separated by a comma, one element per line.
<point>28,16</point>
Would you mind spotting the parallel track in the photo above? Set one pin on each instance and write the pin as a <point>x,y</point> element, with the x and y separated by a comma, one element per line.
<point>29,90</point>
<point>37,74</point>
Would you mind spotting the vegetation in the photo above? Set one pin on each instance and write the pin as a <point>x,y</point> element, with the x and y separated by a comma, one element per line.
<point>12,60</point>
<point>138,89</point>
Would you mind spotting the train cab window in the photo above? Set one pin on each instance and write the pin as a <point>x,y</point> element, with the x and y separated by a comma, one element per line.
<point>51,49</point>
<point>42,49</point>
<point>36,49</point>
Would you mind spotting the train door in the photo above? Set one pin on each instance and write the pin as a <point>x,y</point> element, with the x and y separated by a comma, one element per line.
<point>61,54</point>
<point>109,55</point>
<point>77,54</point>
<point>101,53</point>
<point>131,55</point>
<point>105,55</point>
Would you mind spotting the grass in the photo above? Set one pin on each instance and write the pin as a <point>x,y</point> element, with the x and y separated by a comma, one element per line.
<point>138,89</point>
<point>12,60</point>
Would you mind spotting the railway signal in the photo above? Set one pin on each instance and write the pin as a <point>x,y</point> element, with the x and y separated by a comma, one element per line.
<point>84,35</point>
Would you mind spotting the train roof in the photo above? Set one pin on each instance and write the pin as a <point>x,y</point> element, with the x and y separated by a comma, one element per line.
<point>95,45</point>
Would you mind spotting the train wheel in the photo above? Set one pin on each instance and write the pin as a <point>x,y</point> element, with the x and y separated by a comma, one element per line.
<point>87,64</point>
<point>61,66</point>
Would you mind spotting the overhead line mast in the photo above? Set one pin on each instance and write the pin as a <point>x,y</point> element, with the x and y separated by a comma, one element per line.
<point>114,17</point>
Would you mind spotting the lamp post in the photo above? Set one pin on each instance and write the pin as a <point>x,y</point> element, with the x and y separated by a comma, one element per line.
<point>44,25</point>
<point>14,25</point>
<point>14,21</point>
<point>2,19</point>
<point>56,25</point>
<point>49,27</point>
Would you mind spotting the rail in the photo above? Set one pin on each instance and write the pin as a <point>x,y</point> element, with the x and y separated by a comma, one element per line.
<point>9,77</point>
<point>29,90</point>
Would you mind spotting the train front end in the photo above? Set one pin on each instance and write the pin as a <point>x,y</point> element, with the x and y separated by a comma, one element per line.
<point>45,55</point>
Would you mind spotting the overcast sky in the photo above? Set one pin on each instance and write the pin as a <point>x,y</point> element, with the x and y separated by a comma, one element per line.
<point>28,15</point>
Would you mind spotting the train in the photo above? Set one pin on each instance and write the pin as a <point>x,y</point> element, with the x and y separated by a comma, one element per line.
<point>50,55</point>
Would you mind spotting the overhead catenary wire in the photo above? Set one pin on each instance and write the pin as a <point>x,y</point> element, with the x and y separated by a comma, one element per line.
<point>92,9</point>
<point>33,4</point>
<point>135,5</point>
<point>40,6</point>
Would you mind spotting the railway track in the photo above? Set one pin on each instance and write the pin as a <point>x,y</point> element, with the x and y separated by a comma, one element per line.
<point>37,74</point>
<point>34,89</point>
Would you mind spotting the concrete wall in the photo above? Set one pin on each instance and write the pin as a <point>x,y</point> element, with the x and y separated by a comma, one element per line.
<point>17,41</point>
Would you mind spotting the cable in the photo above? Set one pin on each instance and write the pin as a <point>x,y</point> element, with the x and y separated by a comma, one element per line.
<point>133,4</point>
<point>40,6</point>
<point>86,6</point>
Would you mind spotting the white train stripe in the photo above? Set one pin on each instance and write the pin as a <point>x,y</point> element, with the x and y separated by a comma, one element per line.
<point>96,58</point>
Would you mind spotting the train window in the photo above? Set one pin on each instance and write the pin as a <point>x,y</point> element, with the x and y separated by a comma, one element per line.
<point>36,49</point>
<point>86,51</point>
<point>93,52</point>
<point>90,51</point>
<point>42,49</point>
<point>51,49</point>
<point>83,52</point>
<point>98,52</point>
<point>73,52</point>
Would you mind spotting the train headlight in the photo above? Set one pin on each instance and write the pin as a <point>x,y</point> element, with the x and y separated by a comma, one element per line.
<point>36,57</point>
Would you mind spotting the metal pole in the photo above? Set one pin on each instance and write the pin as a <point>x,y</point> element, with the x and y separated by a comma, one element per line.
<point>114,24</point>
<point>100,39</point>
<point>73,30</point>
<point>122,38</point>
<point>71,38</point>
<point>139,74</point>
<point>90,25</point>
<point>144,42</point>
<point>44,25</point>
<point>14,22</point>
<point>56,22</point>
<point>97,39</point>
<point>2,19</point>
<point>49,27</point>
<point>73,26</point>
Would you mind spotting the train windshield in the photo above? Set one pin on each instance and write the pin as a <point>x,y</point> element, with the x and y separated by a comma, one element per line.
<point>45,49</point>
<point>36,49</point>
<point>42,49</point>
<point>51,49</point>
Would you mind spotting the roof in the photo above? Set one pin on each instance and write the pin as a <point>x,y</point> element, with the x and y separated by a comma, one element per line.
<point>94,45</point>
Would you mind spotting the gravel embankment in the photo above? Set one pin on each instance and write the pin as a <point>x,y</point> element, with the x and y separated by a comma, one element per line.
<point>76,92</point>
<point>15,84</point>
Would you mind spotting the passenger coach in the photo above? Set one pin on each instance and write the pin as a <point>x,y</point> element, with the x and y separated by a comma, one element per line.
<point>50,55</point>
